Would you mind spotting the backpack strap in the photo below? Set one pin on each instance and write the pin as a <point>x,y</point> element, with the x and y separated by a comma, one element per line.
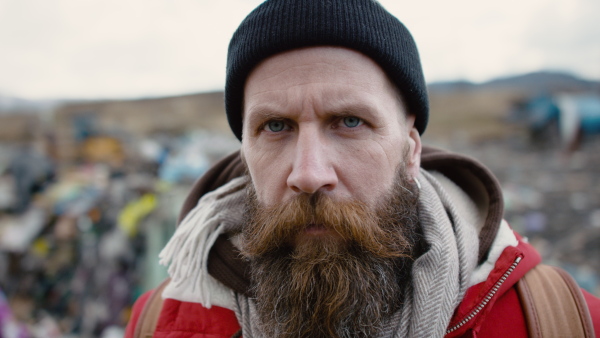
<point>148,319</point>
<point>553,304</point>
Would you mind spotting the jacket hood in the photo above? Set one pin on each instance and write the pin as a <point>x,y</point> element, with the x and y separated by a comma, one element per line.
<point>480,185</point>
<point>475,180</point>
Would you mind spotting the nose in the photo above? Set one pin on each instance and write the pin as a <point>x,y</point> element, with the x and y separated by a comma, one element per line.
<point>312,169</point>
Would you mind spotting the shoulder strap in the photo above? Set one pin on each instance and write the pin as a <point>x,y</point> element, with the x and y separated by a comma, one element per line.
<point>148,319</point>
<point>553,304</point>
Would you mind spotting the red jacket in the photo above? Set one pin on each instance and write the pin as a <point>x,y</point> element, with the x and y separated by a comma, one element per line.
<point>489,309</point>
<point>502,315</point>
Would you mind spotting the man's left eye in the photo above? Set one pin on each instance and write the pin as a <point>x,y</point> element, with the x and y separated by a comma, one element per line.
<point>351,121</point>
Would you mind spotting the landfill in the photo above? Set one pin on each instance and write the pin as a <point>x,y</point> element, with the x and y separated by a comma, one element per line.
<point>79,245</point>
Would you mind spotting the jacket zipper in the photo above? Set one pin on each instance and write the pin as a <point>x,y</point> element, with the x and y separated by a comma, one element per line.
<point>487,298</point>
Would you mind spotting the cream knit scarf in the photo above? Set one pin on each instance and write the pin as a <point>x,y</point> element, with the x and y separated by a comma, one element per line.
<point>440,276</point>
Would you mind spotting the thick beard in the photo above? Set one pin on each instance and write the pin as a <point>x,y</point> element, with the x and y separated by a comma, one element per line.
<point>346,285</point>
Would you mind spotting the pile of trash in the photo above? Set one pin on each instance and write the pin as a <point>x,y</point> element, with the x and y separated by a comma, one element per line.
<point>80,244</point>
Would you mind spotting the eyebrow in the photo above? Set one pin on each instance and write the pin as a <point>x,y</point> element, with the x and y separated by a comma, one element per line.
<point>357,109</point>
<point>262,114</point>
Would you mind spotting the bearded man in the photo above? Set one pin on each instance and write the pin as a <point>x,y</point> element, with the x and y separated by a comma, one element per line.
<point>333,220</point>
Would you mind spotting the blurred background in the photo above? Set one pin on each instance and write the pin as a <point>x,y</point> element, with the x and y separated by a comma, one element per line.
<point>109,110</point>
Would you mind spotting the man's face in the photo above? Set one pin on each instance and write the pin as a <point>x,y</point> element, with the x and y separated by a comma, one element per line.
<point>325,119</point>
<point>332,222</point>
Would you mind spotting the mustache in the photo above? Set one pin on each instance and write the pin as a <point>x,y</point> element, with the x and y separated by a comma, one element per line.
<point>344,284</point>
<point>354,223</point>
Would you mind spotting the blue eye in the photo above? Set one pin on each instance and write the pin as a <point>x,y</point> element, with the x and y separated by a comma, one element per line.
<point>351,121</point>
<point>275,126</point>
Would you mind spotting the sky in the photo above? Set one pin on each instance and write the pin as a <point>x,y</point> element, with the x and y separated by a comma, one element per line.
<point>141,48</point>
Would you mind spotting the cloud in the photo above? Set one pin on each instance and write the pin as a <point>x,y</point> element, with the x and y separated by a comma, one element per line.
<point>84,48</point>
<point>570,39</point>
<point>130,48</point>
<point>478,40</point>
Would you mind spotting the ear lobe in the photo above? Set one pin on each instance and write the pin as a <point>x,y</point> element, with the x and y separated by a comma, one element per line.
<point>242,157</point>
<point>414,152</point>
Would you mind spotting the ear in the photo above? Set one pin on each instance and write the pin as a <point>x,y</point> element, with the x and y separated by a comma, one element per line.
<point>242,157</point>
<point>414,147</point>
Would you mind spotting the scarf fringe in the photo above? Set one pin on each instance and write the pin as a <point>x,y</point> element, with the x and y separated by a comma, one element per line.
<point>186,253</point>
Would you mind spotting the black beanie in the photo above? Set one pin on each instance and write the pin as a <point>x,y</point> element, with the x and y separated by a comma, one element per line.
<point>363,25</point>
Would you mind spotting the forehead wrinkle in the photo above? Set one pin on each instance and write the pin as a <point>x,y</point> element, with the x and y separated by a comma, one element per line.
<point>338,104</point>
<point>288,91</point>
<point>284,86</point>
<point>278,69</point>
<point>364,86</point>
<point>313,72</point>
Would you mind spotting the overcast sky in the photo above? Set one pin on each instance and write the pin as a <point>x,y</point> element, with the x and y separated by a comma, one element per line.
<point>133,48</point>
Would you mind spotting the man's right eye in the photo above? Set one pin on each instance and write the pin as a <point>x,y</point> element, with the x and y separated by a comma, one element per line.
<point>275,126</point>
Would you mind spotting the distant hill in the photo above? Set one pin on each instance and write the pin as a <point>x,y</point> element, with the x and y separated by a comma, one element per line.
<point>532,82</point>
<point>10,104</point>
<point>478,111</point>
<point>450,86</point>
<point>544,81</point>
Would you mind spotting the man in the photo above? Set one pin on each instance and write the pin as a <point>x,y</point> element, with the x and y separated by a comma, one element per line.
<point>334,220</point>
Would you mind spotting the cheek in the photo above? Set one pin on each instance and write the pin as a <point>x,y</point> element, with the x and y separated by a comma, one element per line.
<point>370,180</point>
<point>368,170</point>
<point>267,170</point>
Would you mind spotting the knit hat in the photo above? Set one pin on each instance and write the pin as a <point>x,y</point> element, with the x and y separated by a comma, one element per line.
<point>363,25</point>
